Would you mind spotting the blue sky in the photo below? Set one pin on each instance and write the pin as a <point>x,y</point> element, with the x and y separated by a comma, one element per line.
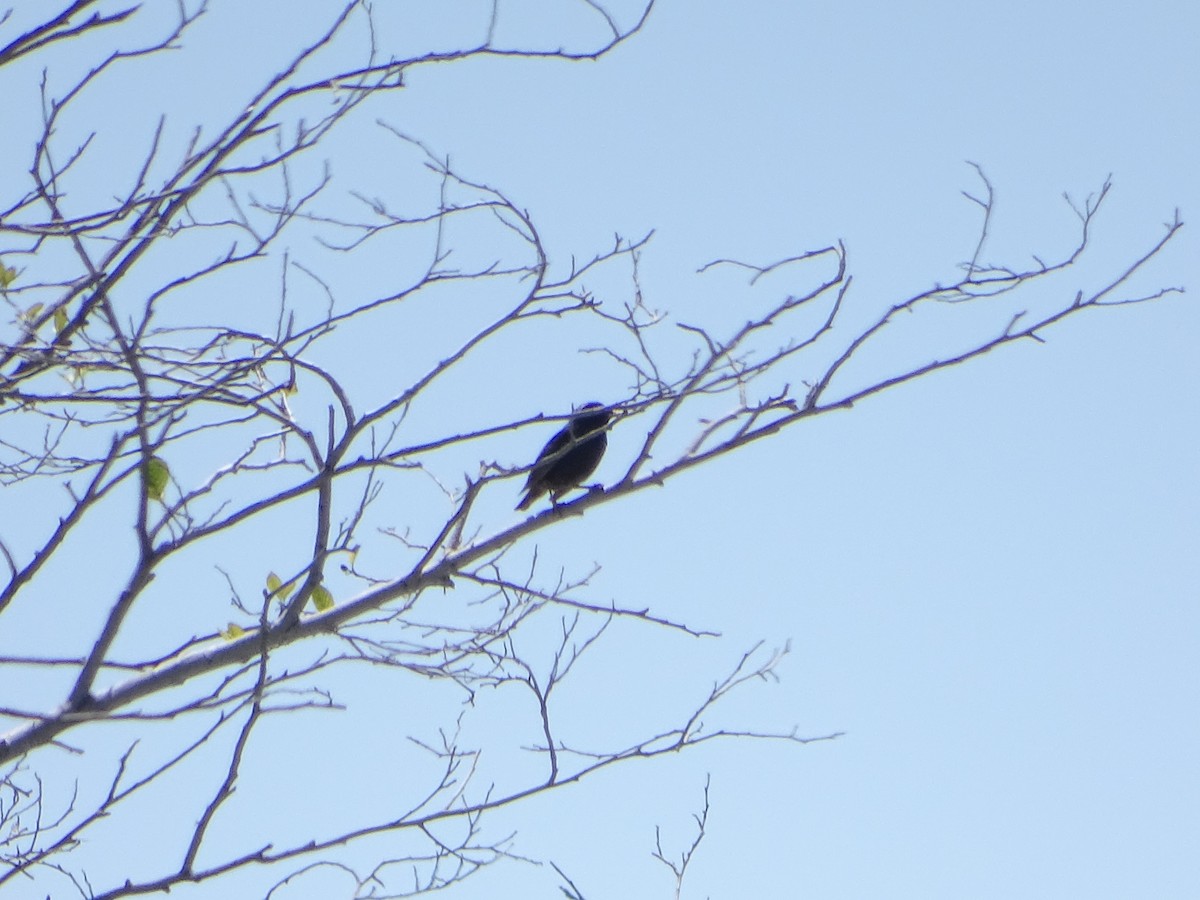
<point>987,577</point>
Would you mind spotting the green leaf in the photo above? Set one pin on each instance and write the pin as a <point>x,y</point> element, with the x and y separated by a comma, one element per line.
<point>60,320</point>
<point>32,313</point>
<point>7,276</point>
<point>233,632</point>
<point>322,599</point>
<point>157,476</point>
<point>276,587</point>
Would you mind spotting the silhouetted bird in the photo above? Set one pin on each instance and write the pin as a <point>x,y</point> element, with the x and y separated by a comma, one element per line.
<point>571,456</point>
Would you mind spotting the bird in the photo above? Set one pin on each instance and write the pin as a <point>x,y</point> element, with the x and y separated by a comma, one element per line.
<point>570,456</point>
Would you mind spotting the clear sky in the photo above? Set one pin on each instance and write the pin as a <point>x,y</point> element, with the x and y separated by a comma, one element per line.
<point>989,577</point>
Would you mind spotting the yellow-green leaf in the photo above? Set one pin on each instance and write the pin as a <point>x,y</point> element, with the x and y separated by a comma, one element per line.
<point>157,476</point>
<point>60,320</point>
<point>276,587</point>
<point>321,598</point>
<point>7,276</point>
<point>233,632</point>
<point>32,313</point>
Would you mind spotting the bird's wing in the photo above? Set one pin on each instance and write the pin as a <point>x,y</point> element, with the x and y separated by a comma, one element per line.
<point>548,457</point>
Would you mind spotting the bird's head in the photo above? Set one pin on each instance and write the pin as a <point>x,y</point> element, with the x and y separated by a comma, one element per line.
<point>594,411</point>
<point>590,417</point>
